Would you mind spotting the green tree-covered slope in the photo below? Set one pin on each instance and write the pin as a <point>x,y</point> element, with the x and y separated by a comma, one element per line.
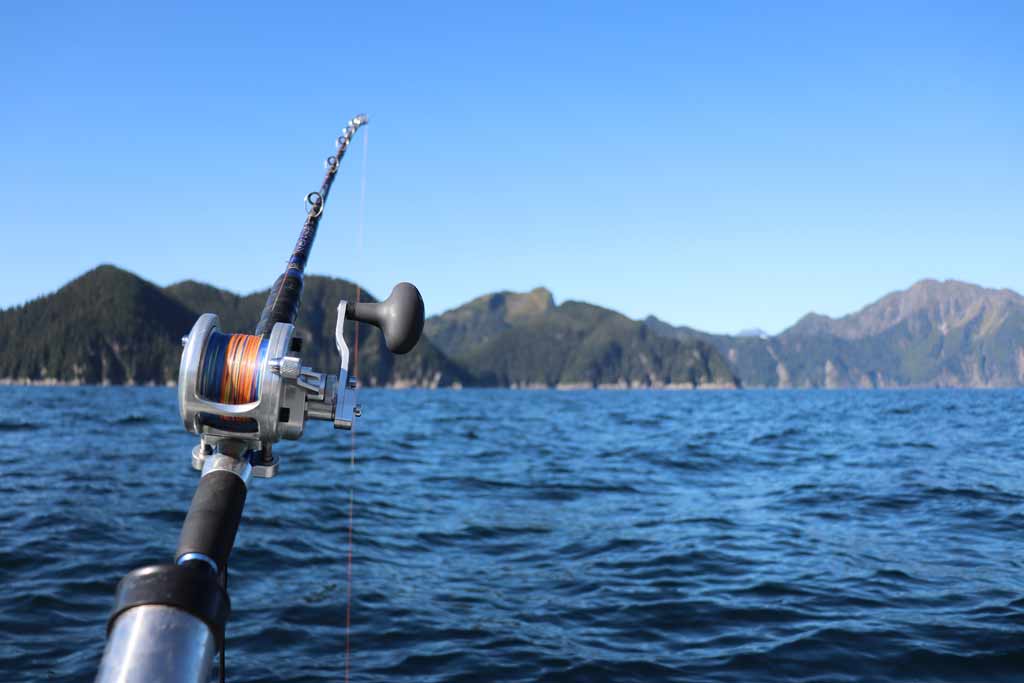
<point>110,326</point>
<point>509,339</point>
<point>107,326</point>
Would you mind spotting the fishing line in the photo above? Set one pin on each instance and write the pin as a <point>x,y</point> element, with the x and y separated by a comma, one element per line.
<point>230,372</point>
<point>230,369</point>
<point>352,450</point>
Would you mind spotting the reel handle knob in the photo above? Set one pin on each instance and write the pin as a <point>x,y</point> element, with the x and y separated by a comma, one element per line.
<point>399,317</point>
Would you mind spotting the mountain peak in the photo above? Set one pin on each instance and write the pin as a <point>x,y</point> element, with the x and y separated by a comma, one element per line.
<point>537,300</point>
<point>753,332</point>
<point>942,304</point>
<point>813,324</point>
<point>106,272</point>
<point>456,330</point>
<point>929,289</point>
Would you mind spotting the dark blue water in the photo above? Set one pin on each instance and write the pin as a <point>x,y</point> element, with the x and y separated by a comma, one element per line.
<point>551,536</point>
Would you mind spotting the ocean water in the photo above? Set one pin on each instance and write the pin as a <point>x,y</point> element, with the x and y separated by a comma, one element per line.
<point>547,536</point>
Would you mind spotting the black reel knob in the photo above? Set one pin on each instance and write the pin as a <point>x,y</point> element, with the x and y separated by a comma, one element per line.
<point>399,317</point>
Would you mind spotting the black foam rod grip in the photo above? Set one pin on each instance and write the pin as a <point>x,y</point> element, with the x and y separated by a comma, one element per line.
<point>213,517</point>
<point>399,317</point>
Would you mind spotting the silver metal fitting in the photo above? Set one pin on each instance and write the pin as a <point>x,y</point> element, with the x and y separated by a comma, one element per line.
<point>264,468</point>
<point>201,557</point>
<point>198,457</point>
<point>288,367</point>
<point>237,465</point>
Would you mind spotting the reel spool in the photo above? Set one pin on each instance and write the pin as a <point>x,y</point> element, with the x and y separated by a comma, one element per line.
<point>241,393</point>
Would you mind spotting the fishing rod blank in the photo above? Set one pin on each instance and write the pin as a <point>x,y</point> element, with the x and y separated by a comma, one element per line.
<point>240,394</point>
<point>284,298</point>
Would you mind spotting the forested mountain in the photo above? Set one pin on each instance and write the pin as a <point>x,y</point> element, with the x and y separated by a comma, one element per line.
<point>112,327</point>
<point>509,339</point>
<point>107,326</point>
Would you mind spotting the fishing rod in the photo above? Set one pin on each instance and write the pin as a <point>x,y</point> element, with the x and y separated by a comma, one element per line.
<point>240,394</point>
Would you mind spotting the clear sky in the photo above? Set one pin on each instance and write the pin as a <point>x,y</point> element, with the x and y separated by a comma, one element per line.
<point>721,165</point>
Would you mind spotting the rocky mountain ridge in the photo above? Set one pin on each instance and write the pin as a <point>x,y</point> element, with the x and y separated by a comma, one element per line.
<point>933,334</point>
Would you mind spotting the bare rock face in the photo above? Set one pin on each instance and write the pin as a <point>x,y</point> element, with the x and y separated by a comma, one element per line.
<point>832,379</point>
<point>927,305</point>
<point>534,302</point>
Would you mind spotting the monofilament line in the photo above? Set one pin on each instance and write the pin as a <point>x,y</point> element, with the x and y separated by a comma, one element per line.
<point>352,452</point>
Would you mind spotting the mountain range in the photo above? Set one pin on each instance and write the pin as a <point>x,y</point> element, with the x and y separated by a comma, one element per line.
<point>934,334</point>
<point>110,326</point>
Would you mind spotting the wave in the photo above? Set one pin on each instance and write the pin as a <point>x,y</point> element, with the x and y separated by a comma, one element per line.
<point>19,426</point>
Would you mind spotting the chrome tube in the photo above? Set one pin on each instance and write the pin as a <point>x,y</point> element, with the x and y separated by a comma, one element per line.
<point>158,644</point>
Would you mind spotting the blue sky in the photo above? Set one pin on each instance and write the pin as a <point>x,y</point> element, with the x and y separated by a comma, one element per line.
<point>721,165</point>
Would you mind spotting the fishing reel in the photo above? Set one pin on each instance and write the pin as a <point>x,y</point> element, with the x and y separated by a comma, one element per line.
<point>241,393</point>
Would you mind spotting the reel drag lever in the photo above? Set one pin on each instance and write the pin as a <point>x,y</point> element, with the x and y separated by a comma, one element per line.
<point>399,318</point>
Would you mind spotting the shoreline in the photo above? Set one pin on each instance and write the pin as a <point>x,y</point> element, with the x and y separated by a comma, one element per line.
<point>402,386</point>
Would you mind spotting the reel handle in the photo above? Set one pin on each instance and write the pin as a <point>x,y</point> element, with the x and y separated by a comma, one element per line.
<point>399,317</point>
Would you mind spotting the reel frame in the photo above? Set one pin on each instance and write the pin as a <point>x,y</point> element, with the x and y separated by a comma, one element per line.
<point>290,393</point>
